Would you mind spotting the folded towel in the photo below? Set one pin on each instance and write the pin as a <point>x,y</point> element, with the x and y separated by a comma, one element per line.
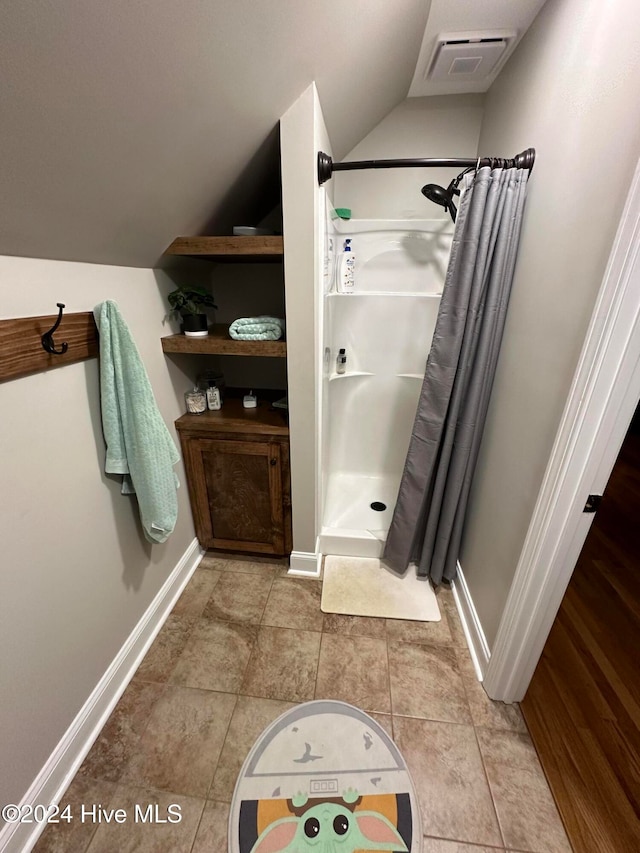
<point>138,442</point>
<point>257,329</point>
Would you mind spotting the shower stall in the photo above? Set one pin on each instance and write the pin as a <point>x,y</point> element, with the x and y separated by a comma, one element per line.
<point>385,327</point>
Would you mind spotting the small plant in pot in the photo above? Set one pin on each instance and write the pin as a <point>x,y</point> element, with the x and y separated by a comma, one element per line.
<point>191,303</point>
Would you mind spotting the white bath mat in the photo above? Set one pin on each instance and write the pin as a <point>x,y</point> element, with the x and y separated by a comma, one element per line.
<point>357,586</point>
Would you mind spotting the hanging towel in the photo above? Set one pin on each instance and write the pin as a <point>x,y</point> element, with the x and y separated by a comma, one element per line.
<point>138,442</point>
<point>257,329</point>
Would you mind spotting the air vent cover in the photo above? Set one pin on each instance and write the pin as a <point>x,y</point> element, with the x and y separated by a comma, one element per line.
<point>466,59</point>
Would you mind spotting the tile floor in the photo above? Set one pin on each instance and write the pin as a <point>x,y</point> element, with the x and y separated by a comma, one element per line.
<point>242,644</point>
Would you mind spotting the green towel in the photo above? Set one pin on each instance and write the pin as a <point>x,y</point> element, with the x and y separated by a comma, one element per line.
<point>257,329</point>
<point>138,442</point>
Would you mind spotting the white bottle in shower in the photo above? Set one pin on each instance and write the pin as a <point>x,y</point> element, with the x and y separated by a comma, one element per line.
<point>346,277</point>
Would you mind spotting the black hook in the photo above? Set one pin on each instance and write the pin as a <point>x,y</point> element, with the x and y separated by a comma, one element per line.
<point>47,338</point>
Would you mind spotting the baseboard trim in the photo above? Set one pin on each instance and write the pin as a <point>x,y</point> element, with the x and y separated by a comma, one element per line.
<point>476,640</point>
<point>305,564</point>
<point>63,763</point>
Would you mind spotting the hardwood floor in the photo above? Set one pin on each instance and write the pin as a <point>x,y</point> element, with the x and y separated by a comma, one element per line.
<point>583,704</point>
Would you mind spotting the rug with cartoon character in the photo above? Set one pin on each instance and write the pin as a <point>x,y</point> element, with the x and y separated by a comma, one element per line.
<point>324,778</point>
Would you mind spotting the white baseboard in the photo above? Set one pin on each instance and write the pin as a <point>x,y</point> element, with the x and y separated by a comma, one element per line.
<point>63,763</point>
<point>305,564</point>
<point>476,640</point>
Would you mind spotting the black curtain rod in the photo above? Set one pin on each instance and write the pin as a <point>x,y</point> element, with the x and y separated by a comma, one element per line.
<point>326,166</point>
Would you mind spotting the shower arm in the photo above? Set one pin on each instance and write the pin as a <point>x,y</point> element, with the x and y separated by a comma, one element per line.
<point>326,166</point>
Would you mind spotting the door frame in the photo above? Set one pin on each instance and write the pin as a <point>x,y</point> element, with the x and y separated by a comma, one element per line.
<point>603,397</point>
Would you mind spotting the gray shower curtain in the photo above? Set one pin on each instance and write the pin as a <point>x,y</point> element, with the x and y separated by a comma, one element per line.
<point>427,522</point>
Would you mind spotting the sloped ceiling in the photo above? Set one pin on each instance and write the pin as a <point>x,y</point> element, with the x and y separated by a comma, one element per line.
<point>128,122</point>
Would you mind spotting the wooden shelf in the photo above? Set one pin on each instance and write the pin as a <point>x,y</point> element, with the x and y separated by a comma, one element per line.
<point>218,342</point>
<point>229,249</point>
<point>233,417</point>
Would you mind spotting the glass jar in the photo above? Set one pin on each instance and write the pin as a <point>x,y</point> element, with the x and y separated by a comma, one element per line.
<point>196,401</point>
<point>214,400</point>
<point>212,377</point>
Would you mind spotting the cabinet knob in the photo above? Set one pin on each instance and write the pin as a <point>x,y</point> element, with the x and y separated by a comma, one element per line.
<point>273,462</point>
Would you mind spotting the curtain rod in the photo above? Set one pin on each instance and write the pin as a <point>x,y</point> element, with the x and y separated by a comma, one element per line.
<point>326,166</point>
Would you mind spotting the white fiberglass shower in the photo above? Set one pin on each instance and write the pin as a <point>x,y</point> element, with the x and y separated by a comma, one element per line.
<point>385,325</point>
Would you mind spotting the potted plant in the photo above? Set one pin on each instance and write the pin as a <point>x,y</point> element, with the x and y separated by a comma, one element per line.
<point>191,303</point>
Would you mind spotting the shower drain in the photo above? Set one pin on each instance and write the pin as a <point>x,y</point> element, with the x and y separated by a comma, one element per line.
<point>378,506</point>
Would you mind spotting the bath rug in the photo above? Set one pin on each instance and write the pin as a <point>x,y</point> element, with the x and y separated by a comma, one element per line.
<point>324,777</point>
<point>359,586</point>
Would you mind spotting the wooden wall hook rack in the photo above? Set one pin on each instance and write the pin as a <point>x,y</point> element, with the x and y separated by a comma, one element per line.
<point>21,345</point>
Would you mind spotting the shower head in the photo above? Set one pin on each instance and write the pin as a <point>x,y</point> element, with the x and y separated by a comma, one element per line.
<point>436,194</point>
<point>444,198</point>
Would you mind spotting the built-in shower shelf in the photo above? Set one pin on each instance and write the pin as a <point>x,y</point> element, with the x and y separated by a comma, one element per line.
<point>351,373</point>
<point>387,293</point>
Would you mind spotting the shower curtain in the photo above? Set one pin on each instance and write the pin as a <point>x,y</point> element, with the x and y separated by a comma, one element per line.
<point>427,522</point>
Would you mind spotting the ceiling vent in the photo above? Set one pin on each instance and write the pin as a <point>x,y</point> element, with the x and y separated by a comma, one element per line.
<point>468,56</point>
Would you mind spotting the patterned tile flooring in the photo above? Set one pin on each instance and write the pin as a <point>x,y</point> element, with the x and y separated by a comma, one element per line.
<point>243,643</point>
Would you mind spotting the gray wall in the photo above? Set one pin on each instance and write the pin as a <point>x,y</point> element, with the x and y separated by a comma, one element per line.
<point>248,290</point>
<point>443,126</point>
<point>77,574</point>
<point>570,91</point>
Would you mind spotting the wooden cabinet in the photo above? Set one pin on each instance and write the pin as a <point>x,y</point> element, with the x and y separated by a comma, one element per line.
<point>237,466</point>
<point>236,459</point>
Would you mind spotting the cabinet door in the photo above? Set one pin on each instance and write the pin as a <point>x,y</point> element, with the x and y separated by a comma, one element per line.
<point>240,484</point>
